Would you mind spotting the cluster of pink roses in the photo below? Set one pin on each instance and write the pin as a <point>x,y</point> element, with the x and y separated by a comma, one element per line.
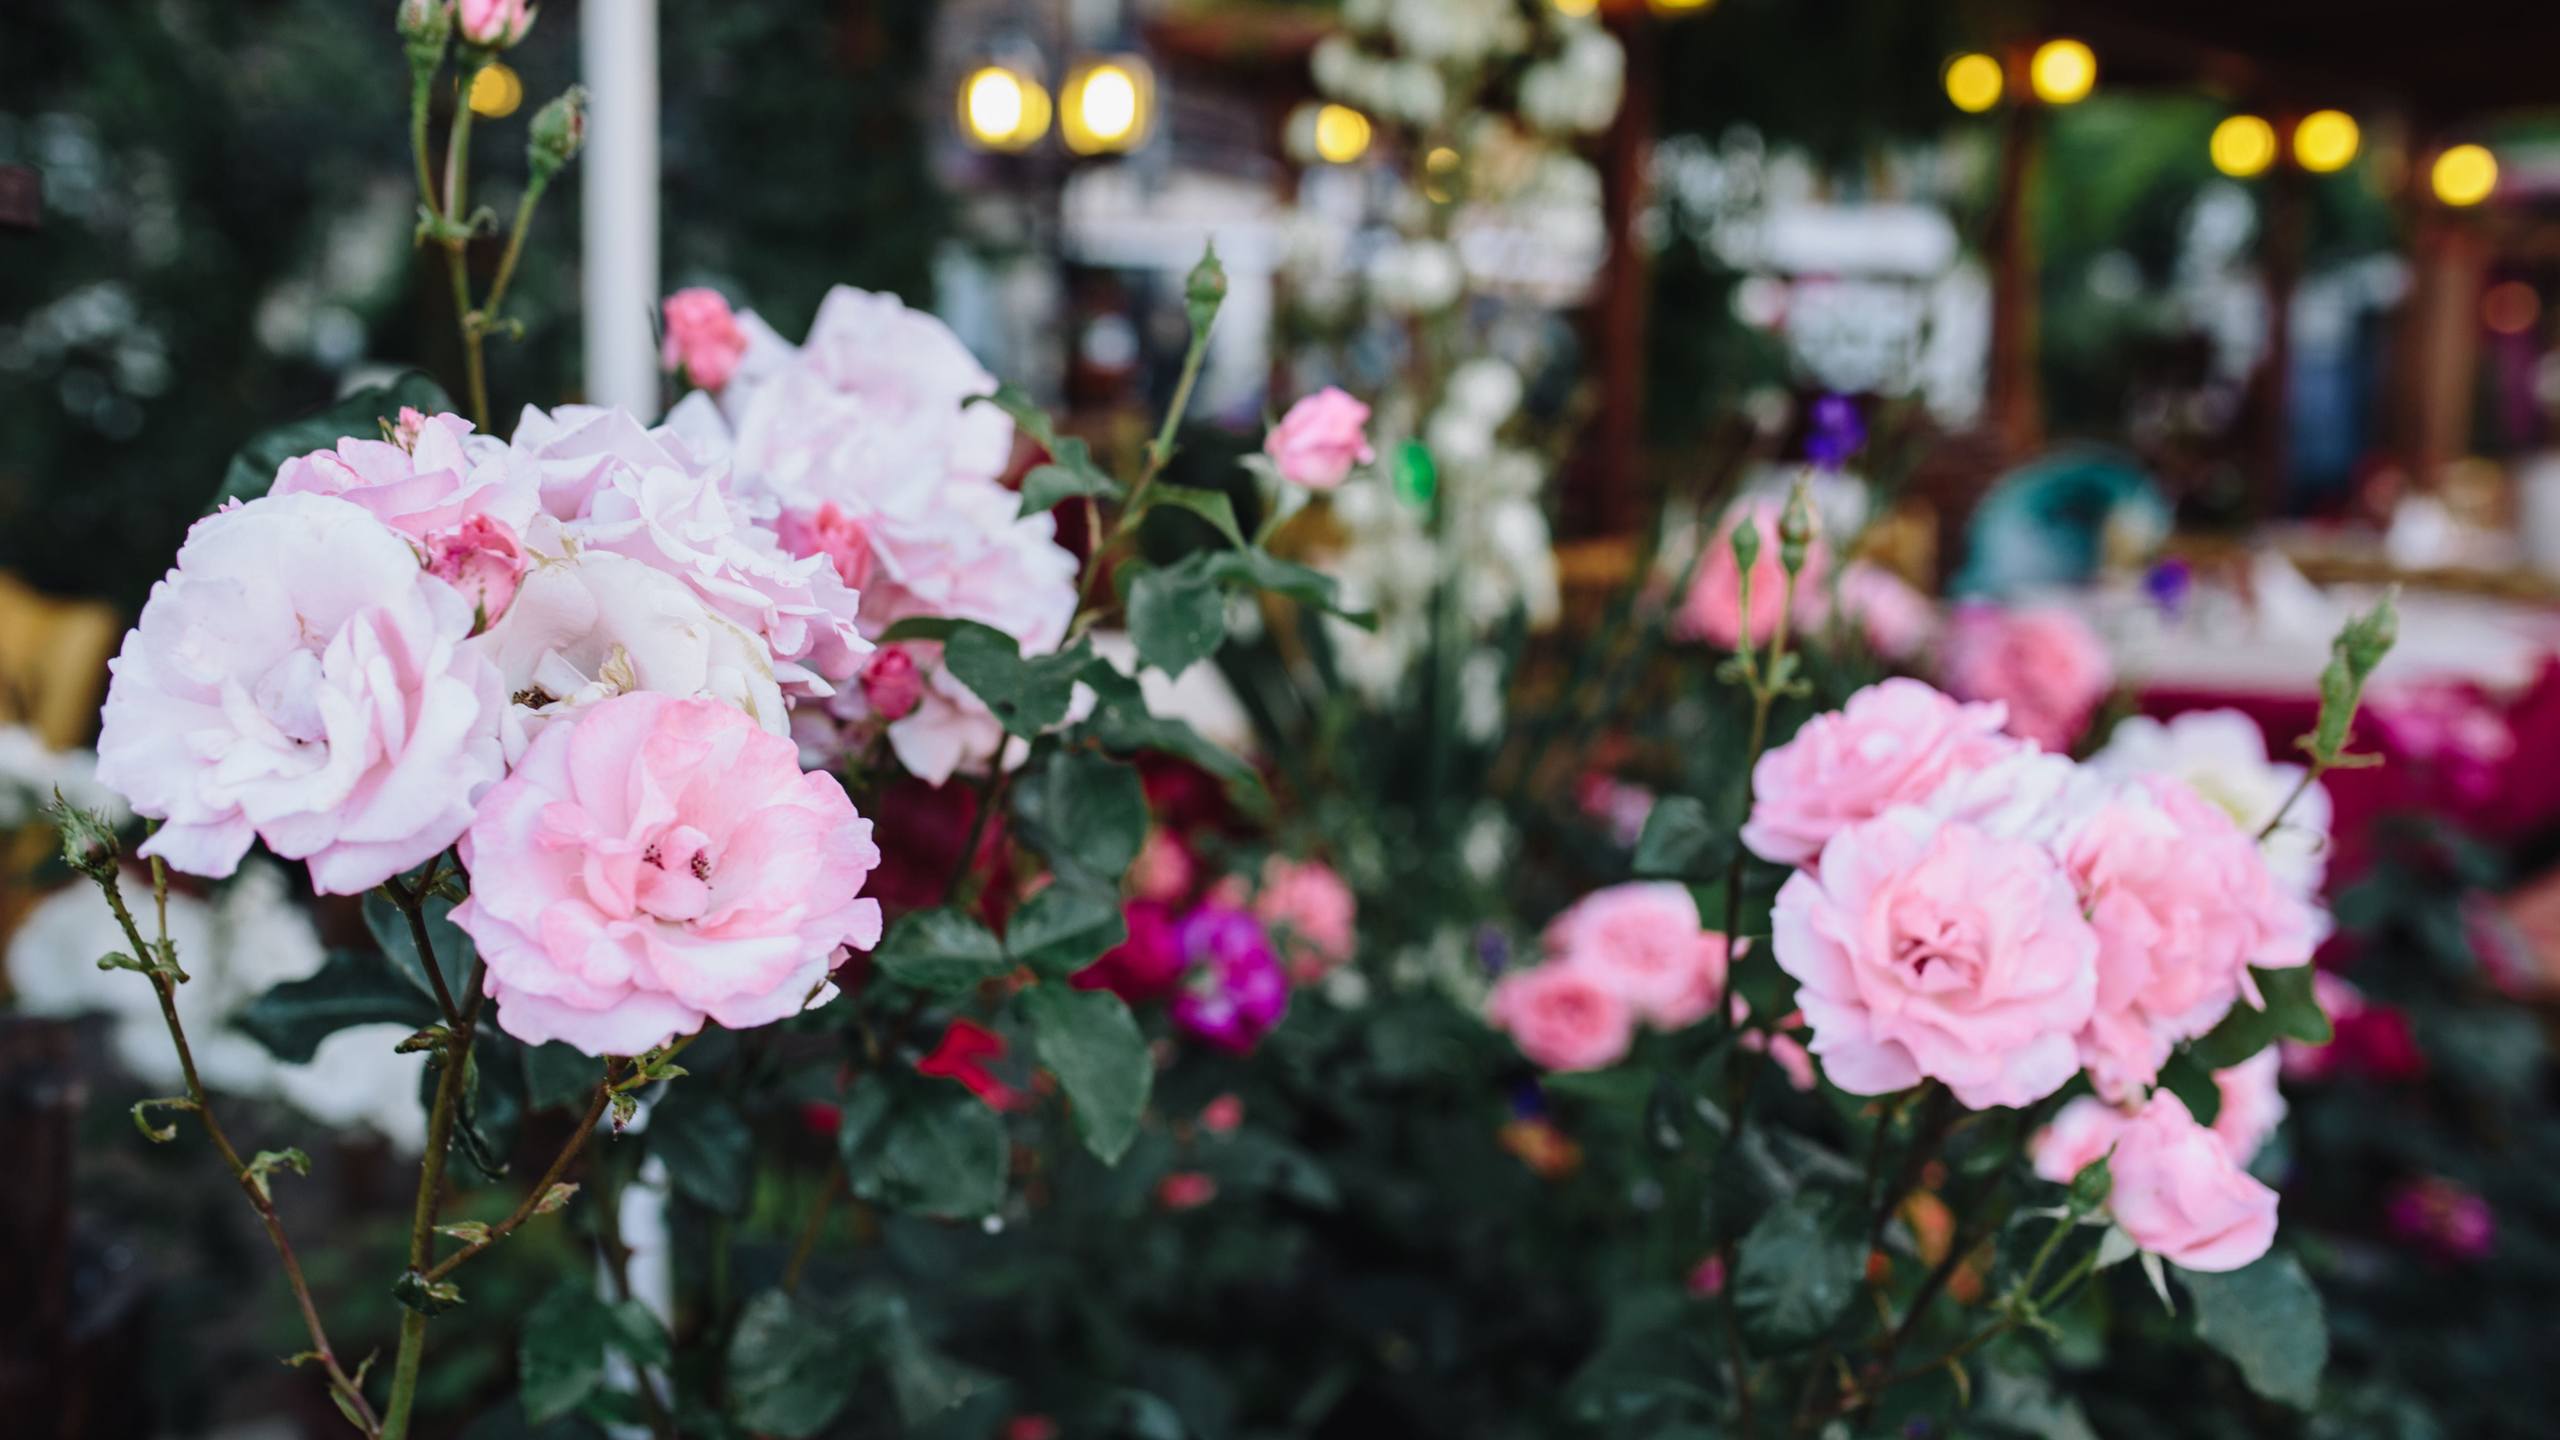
<point>579,656</point>
<point>1628,954</point>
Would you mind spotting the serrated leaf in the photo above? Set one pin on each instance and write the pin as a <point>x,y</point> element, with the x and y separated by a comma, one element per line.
<point>1064,928</point>
<point>413,1290</point>
<point>942,952</point>
<point>1211,505</point>
<point>1026,694</point>
<point>2267,1317</point>
<point>560,1352</point>
<point>1797,1272</point>
<point>2193,1084</point>
<point>931,1149</point>
<point>556,1198</point>
<point>1090,1041</point>
<point>1177,615</point>
<point>253,467</point>
<point>1086,813</point>
<point>708,1150</point>
<point>1066,477</point>
<point>788,1373</point>
<point>2292,1012</point>
<point>1122,723</point>
<point>390,928</point>
<point>353,987</point>
<point>1679,841</point>
<point>560,1075</point>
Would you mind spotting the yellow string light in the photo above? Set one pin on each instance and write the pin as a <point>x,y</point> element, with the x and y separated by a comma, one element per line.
<point>2063,72</point>
<point>2465,175</point>
<point>2326,140</point>
<point>1974,83</point>
<point>1003,109</point>
<point>1342,134</point>
<point>2242,146</point>
<point>1107,105</point>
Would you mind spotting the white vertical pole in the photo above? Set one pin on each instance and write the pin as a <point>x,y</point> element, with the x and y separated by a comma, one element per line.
<point>618,45</point>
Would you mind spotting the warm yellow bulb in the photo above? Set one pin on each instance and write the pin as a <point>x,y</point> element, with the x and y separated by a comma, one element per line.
<point>496,91</point>
<point>2465,174</point>
<point>1439,167</point>
<point>1003,109</point>
<point>1342,134</point>
<point>1575,9</point>
<point>2063,72</point>
<point>2325,140</point>
<point>2242,146</point>
<point>1677,7</point>
<point>1974,83</point>
<point>1106,106</point>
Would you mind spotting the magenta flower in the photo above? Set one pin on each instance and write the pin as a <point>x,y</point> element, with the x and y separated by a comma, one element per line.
<point>1234,990</point>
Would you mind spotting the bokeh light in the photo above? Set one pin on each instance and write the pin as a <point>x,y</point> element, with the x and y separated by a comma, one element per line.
<point>2063,72</point>
<point>2510,307</point>
<point>2242,146</point>
<point>2326,140</point>
<point>2465,174</point>
<point>1003,109</point>
<point>1106,105</point>
<point>496,91</point>
<point>1342,134</point>
<point>1974,83</point>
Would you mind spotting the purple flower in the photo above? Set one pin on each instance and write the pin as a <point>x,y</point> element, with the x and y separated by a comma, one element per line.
<point>1836,433</point>
<point>2442,1218</point>
<point>1235,989</point>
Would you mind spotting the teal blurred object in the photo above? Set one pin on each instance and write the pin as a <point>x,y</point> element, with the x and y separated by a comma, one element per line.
<point>2044,526</point>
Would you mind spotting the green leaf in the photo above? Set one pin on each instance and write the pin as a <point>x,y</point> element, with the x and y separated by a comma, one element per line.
<point>1797,1272</point>
<point>390,927</point>
<point>1679,841</point>
<point>788,1371</point>
<point>1210,505</point>
<point>926,1383</point>
<point>709,1151</point>
<point>1064,928</point>
<point>2192,1083</point>
<point>933,1149</point>
<point>1751,919</point>
<point>1122,723</point>
<point>560,1075</point>
<point>560,1351</point>
<point>2292,1013</point>
<point>1262,570</point>
<point>941,951</point>
<point>1070,474</point>
<point>2267,1317</point>
<point>352,988</point>
<point>253,467</point>
<point>1177,615</point>
<point>1087,813</point>
<point>1027,695</point>
<point>1090,1041</point>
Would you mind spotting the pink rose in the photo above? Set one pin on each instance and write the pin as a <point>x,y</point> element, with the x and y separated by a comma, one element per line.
<point>1319,440</point>
<point>2252,1105</point>
<point>492,24</point>
<point>299,679</point>
<point>657,863</point>
<point>1164,870</point>
<point>891,684</point>
<point>1894,743</point>
<point>483,560</point>
<point>2046,664</point>
<point>2183,904</point>
<point>2079,1135</point>
<point>1712,610</point>
<point>703,341</point>
<point>1562,1017</point>
<point>828,531</point>
<point>2180,1195</point>
<point>425,482</point>
<point>1309,912</point>
<point>1897,621</point>
<point>1937,950</point>
<point>1644,943</point>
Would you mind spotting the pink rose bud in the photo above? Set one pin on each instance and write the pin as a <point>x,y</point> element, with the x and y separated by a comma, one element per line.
<point>891,684</point>
<point>1222,1115</point>
<point>1186,1190</point>
<point>1320,439</point>
<point>844,540</point>
<point>405,431</point>
<point>703,342</point>
<point>481,558</point>
<point>492,24</point>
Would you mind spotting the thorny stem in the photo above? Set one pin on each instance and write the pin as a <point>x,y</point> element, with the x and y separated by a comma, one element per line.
<point>349,1394</point>
<point>813,1229</point>
<point>1159,451</point>
<point>532,1202</point>
<point>422,1221</point>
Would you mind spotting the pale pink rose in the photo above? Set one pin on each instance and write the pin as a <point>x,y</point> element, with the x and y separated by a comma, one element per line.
<point>2183,904</point>
<point>298,678</point>
<point>588,626</point>
<point>1310,913</point>
<point>1644,942</point>
<point>1319,440</point>
<point>1893,743</point>
<point>492,24</point>
<point>2180,1195</point>
<point>891,684</point>
<point>1562,1017</point>
<point>1164,871</point>
<point>617,486</point>
<point>829,531</point>
<point>2046,664</point>
<point>703,341</point>
<point>1936,950</point>
<point>2026,794</point>
<point>1897,621</point>
<point>1712,610</point>
<point>425,482</point>
<point>658,863</point>
<point>2252,1105</point>
<point>2083,1132</point>
<point>483,560</point>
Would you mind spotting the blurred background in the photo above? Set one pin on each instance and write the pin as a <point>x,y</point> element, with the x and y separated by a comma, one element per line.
<point>2198,318</point>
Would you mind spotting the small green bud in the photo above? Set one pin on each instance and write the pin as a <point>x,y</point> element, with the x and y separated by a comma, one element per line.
<point>1746,544</point>
<point>413,1290</point>
<point>268,1162</point>
<point>559,130</point>
<point>2369,637</point>
<point>425,22</point>
<point>1204,291</point>
<point>88,841</point>
<point>2089,1188</point>
<point>1795,529</point>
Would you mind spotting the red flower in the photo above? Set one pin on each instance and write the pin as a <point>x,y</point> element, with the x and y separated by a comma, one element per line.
<point>1222,1115</point>
<point>1185,1190</point>
<point>962,1054</point>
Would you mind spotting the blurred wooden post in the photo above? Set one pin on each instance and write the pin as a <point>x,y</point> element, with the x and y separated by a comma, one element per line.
<point>2014,402</point>
<point>2280,271</point>
<point>2439,342</point>
<point>1606,498</point>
